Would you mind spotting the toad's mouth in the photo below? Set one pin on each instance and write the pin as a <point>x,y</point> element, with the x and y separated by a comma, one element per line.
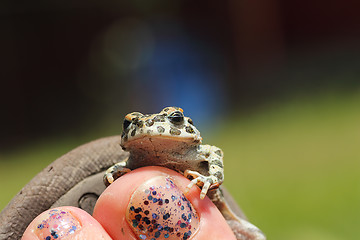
<point>160,142</point>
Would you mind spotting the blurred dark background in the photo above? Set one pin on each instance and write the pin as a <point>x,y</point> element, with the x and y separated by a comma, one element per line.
<point>275,83</point>
<point>66,65</point>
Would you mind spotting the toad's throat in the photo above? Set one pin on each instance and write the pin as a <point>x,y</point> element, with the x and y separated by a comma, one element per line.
<point>174,153</point>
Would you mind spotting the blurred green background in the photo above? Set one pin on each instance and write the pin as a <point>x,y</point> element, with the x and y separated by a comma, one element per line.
<point>275,84</point>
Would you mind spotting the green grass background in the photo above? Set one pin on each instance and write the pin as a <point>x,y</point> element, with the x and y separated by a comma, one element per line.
<point>293,166</point>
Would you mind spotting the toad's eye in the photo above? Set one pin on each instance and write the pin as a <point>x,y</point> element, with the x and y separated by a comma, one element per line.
<point>176,117</point>
<point>126,124</point>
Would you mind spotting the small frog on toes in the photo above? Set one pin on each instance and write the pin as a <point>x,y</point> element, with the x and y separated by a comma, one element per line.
<point>170,139</point>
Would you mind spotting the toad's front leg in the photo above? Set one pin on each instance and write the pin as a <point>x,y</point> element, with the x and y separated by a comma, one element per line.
<point>213,164</point>
<point>114,172</point>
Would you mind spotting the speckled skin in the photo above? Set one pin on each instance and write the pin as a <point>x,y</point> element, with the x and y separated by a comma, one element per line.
<point>170,139</point>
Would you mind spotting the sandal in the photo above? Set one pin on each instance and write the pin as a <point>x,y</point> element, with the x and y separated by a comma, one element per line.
<point>75,179</point>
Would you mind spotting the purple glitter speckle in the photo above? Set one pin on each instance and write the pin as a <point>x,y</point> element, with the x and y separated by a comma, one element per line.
<point>162,213</point>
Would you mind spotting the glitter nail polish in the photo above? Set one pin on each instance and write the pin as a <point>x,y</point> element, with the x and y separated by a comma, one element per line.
<point>159,210</point>
<point>57,225</point>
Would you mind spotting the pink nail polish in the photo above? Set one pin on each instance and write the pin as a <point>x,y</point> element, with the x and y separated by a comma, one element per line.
<point>159,210</point>
<point>57,225</point>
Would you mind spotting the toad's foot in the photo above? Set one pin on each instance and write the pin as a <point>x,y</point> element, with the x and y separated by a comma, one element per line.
<point>115,172</point>
<point>206,182</point>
